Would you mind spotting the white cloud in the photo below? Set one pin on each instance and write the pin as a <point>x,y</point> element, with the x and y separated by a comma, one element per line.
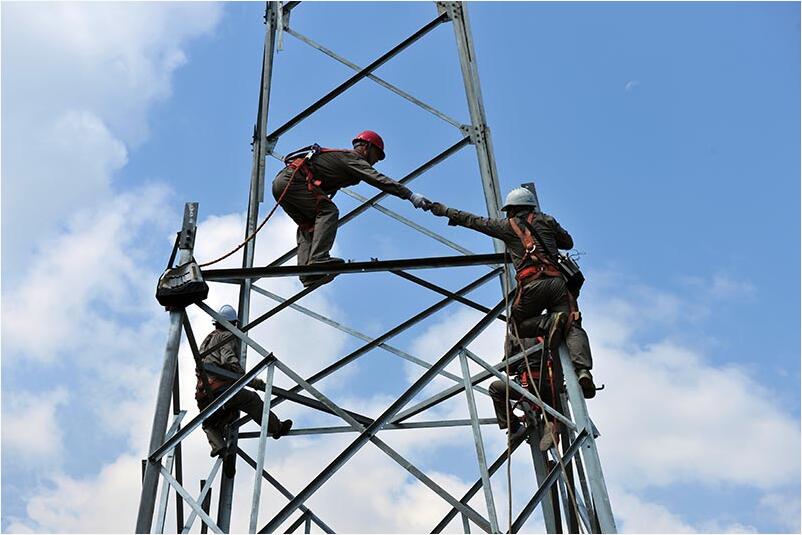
<point>78,82</point>
<point>783,507</point>
<point>30,429</point>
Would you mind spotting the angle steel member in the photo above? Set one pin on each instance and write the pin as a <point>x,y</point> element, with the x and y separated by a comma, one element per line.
<point>147,499</point>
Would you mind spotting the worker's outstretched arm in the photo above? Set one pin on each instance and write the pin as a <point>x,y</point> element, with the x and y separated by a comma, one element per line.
<point>495,228</point>
<point>362,170</point>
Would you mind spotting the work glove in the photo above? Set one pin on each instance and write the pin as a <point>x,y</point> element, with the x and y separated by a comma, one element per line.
<point>419,201</point>
<point>258,384</point>
<point>438,209</point>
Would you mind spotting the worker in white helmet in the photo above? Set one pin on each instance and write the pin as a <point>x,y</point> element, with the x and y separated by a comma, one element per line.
<point>533,239</point>
<point>227,356</point>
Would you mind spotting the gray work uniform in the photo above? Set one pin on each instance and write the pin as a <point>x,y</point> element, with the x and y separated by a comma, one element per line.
<point>313,211</point>
<point>227,356</point>
<point>544,293</point>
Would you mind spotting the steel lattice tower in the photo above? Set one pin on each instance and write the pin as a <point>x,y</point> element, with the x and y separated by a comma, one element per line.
<point>571,487</point>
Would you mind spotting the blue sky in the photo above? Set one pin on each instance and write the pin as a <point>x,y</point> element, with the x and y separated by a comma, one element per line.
<point>664,137</point>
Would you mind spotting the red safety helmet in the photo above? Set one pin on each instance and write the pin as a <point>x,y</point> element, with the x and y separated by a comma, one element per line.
<point>372,138</point>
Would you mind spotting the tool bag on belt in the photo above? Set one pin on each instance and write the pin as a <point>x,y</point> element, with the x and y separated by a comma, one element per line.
<point>181,285</point>
<point>540,262</point>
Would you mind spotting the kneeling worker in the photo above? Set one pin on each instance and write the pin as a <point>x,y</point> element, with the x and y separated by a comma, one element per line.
<point>312,177</point>
<point>227,356</point>
<point>532,239</point>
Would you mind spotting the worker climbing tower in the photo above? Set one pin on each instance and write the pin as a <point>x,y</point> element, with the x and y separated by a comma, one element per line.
<point>569,491</point>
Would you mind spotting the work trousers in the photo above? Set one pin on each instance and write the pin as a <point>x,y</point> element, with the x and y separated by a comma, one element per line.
<point>246,401</point>
<point>498,393</point>
<point>550,293</point>
<point>315,214</point>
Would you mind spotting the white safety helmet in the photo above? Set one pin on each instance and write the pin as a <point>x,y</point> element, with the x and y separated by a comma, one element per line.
<point>228,313</point>
<point>519,197</point>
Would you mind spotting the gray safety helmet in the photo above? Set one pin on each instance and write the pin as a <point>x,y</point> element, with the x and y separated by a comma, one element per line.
<point>519,197</point>
<point>228,313</point>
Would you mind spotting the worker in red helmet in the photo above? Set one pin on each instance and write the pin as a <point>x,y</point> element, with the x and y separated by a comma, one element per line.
<point>305,187</point>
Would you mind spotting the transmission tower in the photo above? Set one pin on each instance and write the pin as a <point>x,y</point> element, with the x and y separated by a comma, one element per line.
<point>571,490</point>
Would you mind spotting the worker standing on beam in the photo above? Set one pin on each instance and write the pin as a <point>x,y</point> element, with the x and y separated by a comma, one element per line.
<point>227,357</point>
<point>305,187</point>
<point>533,239</point>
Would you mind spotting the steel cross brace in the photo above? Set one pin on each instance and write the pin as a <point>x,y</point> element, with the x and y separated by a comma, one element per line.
<point>384,418</point>
<point>394,331</point>
<point>273,136</point>
<point>388,427</point>
<point>476,517</point>
<point>434,111</point>
<point>204,491</point>
<point>369,432</point>
<point>364,337</point>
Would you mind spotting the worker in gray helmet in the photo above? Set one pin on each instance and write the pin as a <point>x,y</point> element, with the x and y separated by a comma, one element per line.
<point>311,178</point>
<point>227,357</point>
<point>533,239</point>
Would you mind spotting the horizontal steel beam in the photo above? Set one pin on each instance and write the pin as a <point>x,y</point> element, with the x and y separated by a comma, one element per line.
<point>354,267</point>
<point>410,425</point>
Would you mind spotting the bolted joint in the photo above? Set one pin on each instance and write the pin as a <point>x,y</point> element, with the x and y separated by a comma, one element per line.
<point>452,9</point>
<point>476,133</point>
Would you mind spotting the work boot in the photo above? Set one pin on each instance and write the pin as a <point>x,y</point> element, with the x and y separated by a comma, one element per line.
<point>547,440</point>
<point>316,280</point>
<point>282,430</point>
<point>586,382</point>
<point>328,260</point>
<point>216,441</point>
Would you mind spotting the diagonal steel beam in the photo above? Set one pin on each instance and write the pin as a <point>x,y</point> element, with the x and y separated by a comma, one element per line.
<point>381,60</point>
<point>384,418</point>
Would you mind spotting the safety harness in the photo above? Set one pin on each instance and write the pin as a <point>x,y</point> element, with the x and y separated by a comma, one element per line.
<point>298,161</point>
<point>536,263</point>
